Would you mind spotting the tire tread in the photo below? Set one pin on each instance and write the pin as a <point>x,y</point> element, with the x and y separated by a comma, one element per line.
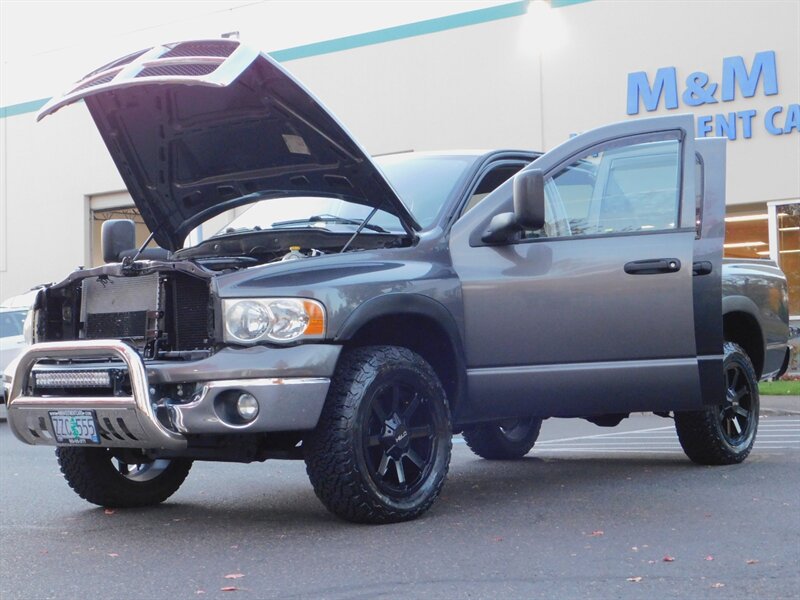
<point>698,431</point>
<point>488,441</point>
<point>331,463</point>
<point>90,473</point>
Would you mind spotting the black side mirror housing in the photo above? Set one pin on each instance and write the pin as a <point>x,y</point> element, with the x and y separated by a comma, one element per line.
<point>117,236</point>
<point>529,198</point>
<point>502,229</point>
<point>528,209</point>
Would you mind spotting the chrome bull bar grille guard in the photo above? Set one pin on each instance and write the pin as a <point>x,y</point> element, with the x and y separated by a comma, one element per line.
<point>123,421</point>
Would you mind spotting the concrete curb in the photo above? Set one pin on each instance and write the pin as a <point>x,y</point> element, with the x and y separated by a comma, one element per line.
<point>780,405</point>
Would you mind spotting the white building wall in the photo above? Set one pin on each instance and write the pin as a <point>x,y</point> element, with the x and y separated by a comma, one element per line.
<point>585,82</point>
<point>524,81</point>
<point>463,88</point>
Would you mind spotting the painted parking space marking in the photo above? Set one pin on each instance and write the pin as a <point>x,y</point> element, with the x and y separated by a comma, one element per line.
<point>774,433</point>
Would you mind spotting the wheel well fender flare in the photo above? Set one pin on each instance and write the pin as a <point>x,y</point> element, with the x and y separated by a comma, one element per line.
<point>743,305</point>
<point>396,305</point>
<point>409,305</point>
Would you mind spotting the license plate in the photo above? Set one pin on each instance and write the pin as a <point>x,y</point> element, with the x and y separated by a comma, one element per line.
<point>75,427</point>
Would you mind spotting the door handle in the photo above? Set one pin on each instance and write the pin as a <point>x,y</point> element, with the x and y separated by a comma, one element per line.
<point>653,266</point>
<point>702,267</point>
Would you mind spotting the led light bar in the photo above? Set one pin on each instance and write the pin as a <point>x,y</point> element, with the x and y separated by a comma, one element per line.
<point>73,379</point>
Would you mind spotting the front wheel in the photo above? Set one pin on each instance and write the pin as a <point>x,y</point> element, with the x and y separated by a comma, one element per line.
<point>96,475</point>
<point>724,434</point>
<point>381,449</point>
<point>507,440</point>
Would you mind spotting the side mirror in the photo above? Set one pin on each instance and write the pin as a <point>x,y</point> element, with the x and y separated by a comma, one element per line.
<point>117,236</point>
<point>529,199</point>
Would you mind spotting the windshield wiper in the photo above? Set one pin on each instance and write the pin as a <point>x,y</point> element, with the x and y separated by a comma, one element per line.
<point>333,219</point>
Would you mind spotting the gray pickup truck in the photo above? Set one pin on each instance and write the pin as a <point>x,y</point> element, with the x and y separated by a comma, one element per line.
<point>360,312</point>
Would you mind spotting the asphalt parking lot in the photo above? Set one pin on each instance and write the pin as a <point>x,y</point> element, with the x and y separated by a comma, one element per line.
<point>590,513</point>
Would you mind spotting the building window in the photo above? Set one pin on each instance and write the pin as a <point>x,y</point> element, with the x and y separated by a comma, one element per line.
<point>785,247</point>
<point>747,235</point>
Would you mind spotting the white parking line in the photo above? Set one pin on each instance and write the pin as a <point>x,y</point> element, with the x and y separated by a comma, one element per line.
<point>774,435</point>
<point>677,450</point>
<point>604,435</point>
<point>616,450</point>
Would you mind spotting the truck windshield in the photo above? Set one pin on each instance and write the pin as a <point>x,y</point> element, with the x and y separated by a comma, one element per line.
<point>424,183</point>
<point>11,322</point>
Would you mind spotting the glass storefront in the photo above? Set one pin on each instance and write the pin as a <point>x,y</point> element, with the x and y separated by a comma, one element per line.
<point>784,247</point>
<point>773,232</point>
<point>747,235</point>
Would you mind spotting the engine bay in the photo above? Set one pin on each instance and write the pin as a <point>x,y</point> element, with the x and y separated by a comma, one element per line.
<point>240,249</point>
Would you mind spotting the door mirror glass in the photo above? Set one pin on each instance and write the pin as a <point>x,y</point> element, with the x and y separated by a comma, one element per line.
<point>117,236</point>
<point>529,199</point>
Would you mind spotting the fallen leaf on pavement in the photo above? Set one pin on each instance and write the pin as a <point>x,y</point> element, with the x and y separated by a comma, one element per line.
<point>635,579</point>
<point>229,588</point>
<point>234,575</point>
<point>668,558</point>
<point>717,585</point>
<point>109,511</point>
<point>751,561</point>
<point>597,533</point>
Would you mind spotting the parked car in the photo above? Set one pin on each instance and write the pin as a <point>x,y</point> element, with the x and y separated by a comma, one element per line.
<point>363,311</point>
<point>13,312</point>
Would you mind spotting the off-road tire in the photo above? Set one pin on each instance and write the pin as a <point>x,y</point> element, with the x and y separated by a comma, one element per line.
<point>339,452</point>
<point>701,432</point>
<point>492,442</point>
<point>91,473</point>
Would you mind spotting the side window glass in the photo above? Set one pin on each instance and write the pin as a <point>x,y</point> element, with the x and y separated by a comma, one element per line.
<point>617,188</point>
<point>490,182</point>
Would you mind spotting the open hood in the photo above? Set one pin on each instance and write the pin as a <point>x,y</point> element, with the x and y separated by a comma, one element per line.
<point>198,127</point>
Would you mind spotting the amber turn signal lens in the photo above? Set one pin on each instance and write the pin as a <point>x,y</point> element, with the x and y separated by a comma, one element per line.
<point>316,318</point>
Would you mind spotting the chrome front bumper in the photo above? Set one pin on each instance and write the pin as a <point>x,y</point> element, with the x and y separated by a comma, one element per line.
<point>285,403</point>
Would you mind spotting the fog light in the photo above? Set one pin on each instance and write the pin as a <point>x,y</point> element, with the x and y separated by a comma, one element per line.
<point>247,406</point>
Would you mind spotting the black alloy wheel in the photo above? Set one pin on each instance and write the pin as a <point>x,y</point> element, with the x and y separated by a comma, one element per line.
<point>736,412</point>
<point>517,430</point>
<point>381,449</point>
<point>724,434</point>
<point>399,445</point>
<point>511,439</point>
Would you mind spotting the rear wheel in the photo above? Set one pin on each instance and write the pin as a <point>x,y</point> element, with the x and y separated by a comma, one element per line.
<point>724,434</point>
<point>381,449</point>
<point>99,477</point>
<point>506,440</point>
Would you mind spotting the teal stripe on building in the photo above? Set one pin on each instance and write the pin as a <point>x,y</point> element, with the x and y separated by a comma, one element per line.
<point>360,40</point>
<point>399,32</point>
<point>563,3</point>
<point>22,108</point>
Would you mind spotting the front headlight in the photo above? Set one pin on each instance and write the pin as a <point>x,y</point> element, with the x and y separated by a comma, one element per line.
<point>280,320</point>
